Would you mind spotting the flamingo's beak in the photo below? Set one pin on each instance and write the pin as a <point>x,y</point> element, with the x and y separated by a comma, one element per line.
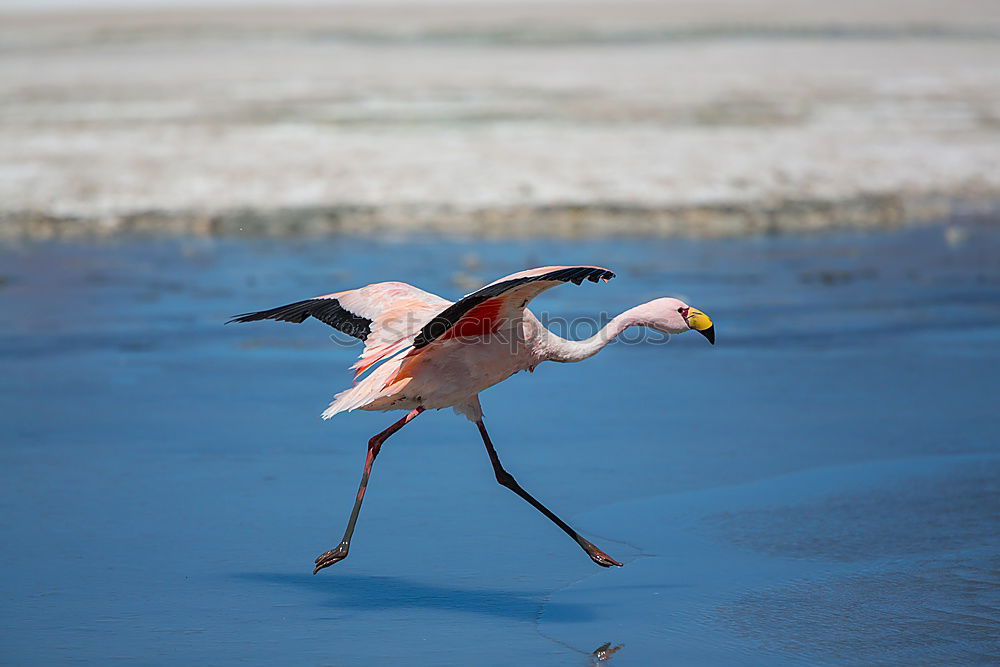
<point>701,323</point>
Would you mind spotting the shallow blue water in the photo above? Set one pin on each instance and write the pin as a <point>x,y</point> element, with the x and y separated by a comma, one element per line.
<point>820,486</point>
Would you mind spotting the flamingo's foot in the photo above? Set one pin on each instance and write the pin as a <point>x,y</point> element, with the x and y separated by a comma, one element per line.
<point>328,558</point>
<point>601,558</point>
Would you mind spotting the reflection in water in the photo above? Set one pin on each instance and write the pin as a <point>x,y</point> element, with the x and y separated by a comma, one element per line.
<point>605,651</point>
<point>375,593</point>
<point>379,593</point>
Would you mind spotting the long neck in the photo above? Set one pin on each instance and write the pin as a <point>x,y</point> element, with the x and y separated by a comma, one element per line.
<point>559,349</point>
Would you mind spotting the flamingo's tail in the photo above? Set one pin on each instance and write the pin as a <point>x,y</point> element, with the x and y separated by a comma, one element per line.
<point>382,382</point>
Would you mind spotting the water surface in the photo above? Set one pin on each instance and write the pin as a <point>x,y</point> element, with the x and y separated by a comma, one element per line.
<point>818,486</point>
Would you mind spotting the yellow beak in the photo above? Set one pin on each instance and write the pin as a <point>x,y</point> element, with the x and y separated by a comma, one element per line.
<point>701,323</point>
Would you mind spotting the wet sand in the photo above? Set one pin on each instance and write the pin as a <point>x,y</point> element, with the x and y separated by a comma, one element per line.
<point>819,486</point>
<point>673,118</point>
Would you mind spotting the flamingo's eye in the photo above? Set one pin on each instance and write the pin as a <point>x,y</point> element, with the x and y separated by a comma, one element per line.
<point>680,310</point>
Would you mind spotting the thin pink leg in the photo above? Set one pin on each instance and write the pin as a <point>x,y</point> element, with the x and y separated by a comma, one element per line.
<point>339,552</point>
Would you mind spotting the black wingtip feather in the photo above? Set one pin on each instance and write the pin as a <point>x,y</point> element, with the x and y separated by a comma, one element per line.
<point>328,311</point>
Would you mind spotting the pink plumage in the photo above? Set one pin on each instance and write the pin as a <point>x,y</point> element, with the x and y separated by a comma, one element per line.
<point>425,352</point>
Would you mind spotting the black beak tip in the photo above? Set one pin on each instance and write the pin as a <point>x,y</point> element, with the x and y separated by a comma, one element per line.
<point>709,333</point>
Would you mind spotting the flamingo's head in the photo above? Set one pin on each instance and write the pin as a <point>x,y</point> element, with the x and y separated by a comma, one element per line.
<point>673,316</point>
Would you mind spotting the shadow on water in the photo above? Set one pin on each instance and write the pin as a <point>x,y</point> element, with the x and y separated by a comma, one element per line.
<point>380,593</point>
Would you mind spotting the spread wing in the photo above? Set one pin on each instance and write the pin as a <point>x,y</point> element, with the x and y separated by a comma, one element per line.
<point>392,316</point>
<point>384,315</point>
<point>488,308</point>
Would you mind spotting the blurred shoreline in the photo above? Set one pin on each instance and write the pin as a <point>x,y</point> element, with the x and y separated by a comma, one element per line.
<point>498,119</point>
<point>567,222</point>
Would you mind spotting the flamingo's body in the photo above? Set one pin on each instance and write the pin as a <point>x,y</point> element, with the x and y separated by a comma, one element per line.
<point>437,354</point>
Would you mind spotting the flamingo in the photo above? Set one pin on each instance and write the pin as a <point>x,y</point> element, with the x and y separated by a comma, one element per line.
<point>438,354</point>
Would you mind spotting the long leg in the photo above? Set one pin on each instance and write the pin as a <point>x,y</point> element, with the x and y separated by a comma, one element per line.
<point>506,479</point>
<point>339,552</point>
